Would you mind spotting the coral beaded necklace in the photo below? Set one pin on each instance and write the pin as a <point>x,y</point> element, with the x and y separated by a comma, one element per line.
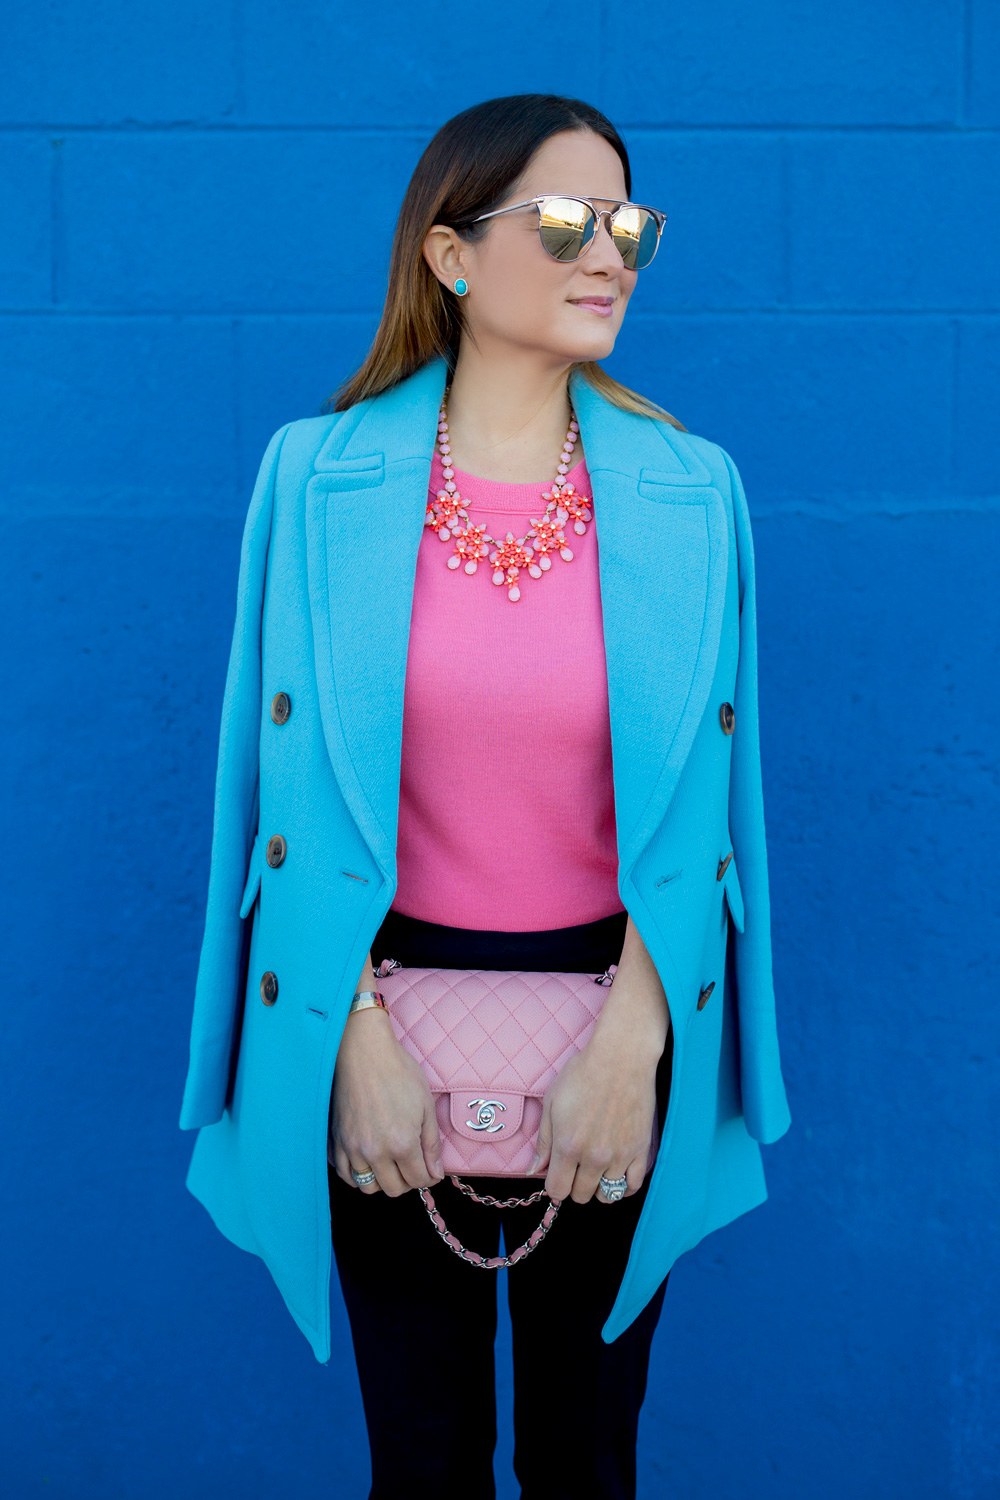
<point>531,553</point>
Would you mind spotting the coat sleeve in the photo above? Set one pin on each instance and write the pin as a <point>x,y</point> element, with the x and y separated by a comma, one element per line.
<point>217,997</point>
<point>765,1106</point>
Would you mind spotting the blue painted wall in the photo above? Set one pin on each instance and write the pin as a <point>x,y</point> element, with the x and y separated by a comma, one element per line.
<point>177,279</point>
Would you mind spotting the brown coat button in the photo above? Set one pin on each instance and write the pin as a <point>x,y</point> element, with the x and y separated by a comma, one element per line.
<point>281,707</point>
<point>269,988</point>
<point>703,997</point>
<point>724,865</point>
<point>276,851</point>
<point>727,718</point>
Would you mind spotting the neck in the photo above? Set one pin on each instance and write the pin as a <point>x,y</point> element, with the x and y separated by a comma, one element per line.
<point>508,415</point>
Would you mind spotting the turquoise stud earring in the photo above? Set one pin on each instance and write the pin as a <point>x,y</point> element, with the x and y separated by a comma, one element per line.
<point>461,287</point>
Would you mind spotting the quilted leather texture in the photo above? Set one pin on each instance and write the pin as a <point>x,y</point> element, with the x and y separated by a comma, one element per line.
<point>491,1041</point>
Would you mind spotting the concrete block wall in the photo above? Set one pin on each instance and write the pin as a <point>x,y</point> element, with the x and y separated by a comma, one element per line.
<point>180,273</point>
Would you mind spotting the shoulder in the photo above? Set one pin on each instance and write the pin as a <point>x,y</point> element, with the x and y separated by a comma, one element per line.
<point>721,468</point>
<point>287,464</point>
<point>298,443</point>
<point>714,465</point>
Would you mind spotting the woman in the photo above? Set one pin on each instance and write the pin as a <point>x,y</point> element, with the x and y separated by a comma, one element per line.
<point>453,756</point>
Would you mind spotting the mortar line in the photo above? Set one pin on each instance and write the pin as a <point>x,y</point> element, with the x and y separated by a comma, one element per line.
<point>785,208</point>
<point>56,234</point>
<point>762,311</point>
<point>423,132</point>
<point>237,22</point>
<point>965,65</point>
<point>954,349</point>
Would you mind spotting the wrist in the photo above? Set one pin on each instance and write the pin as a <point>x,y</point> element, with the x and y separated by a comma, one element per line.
<point>635,1023</point>
<point>367,1002</point>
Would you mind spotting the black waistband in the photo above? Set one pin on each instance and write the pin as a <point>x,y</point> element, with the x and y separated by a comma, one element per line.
<point>585,949</point>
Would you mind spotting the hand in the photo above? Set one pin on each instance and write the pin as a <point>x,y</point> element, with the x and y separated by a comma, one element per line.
<point>597,1120</point>
<point>382,1114</point>
<point>597,1116</point>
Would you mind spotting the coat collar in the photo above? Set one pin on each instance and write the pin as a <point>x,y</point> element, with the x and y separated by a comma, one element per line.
<point>663,543</point>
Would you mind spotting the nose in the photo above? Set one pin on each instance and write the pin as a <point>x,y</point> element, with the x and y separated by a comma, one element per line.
<point>602,246</point>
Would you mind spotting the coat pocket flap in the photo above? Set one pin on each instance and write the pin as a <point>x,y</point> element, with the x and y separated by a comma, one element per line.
<point>734,896</point>
<point>253,880</point>
<point>365,473</point>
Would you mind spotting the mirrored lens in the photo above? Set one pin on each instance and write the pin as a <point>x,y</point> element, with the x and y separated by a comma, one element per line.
<point>566,227</point>
<point>635,234</point>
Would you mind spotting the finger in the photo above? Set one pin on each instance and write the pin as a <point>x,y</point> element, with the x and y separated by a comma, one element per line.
<point>358,1164</point>
<point>390,1179</point>
<point>412,1168</point>
<point>543,1146</point>
<point>430,1143</point>
<point>613,1173</point>
<point>587,1182</point>
<point>636,1174</point>
<point>562,1174</point>
<point>340,1161</point>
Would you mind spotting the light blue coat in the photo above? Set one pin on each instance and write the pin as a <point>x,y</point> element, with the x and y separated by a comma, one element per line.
<point>323,611</point>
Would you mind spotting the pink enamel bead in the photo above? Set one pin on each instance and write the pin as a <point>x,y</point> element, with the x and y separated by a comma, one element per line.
<point>513,555</point>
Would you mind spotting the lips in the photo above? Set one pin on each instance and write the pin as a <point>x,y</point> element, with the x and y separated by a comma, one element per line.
<point>602,306</point>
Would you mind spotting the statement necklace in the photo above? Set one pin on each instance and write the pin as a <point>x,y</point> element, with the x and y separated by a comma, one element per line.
<point>531,553</point>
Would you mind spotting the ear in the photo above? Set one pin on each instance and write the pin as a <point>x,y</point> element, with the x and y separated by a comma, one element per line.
<point>445,253</point>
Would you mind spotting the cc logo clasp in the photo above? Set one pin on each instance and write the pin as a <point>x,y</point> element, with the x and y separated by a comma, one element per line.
<point>486,1118</point>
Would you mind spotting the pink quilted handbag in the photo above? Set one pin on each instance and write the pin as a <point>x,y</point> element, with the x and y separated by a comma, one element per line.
<point>491,1041</point>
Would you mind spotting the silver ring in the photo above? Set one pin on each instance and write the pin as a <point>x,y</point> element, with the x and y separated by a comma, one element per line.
<point>363,1179</point>
<point>613,1188</point>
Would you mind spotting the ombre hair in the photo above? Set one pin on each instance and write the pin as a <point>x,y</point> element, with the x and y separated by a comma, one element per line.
<point>469,168</point>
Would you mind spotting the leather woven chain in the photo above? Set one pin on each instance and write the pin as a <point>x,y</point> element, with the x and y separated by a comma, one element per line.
<point>492,1262</point>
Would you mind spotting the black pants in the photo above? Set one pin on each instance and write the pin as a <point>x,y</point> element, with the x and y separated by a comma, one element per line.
<point>423,1321</point>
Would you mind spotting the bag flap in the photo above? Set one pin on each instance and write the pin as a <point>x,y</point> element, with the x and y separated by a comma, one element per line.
<point>485,1116</point>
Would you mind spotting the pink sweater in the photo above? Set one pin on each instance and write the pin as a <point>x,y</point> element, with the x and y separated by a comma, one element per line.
<point>506,806</point>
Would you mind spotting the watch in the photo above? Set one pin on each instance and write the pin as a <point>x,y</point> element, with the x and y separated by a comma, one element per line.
<point>367,1000</point>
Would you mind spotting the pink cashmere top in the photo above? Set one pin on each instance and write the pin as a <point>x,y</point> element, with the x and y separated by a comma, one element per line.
<point>506,806</point>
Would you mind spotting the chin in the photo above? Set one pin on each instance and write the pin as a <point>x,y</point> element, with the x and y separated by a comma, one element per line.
<point>592,343</point>
<point>582,353</point>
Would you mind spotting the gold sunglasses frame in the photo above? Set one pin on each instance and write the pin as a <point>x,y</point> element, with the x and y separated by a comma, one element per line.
<point>659,219</point>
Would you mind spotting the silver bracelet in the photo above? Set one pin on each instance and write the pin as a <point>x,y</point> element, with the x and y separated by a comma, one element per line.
<point>367,1000</point>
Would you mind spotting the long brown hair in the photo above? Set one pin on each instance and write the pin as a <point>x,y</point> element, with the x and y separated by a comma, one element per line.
<point>468,169</point>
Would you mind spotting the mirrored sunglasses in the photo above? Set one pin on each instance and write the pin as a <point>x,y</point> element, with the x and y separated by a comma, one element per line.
<point>567,225</point>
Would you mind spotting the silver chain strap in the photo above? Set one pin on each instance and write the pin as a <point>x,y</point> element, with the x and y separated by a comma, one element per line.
<point>463,1187</point>
<point>492,1262</point>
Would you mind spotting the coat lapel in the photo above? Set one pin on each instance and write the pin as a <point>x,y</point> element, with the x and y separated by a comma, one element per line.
<point>365,508</point>
<point>663,554</point>
<point>662,540</point>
